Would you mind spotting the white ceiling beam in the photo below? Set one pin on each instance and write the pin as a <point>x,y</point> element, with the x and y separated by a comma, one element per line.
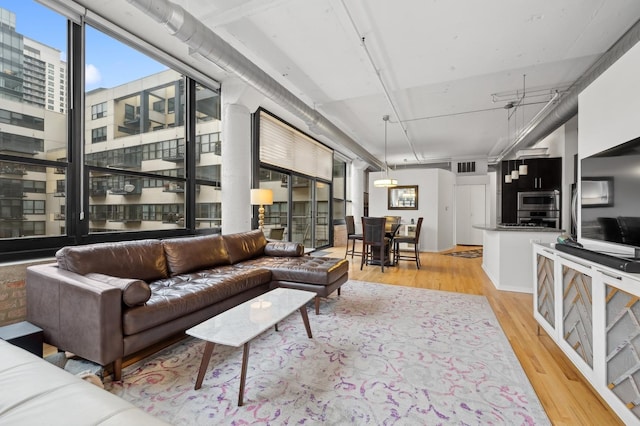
<point>214,19</point>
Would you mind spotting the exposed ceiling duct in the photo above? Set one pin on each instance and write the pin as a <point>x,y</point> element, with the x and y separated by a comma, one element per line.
<point>205,42</point>
<point>567,107</point>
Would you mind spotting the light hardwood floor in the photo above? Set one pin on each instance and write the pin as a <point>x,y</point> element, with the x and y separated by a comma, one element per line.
<point>565,395</point>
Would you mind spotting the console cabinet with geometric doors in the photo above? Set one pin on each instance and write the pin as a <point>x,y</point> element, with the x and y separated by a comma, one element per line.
<point>592,312</point>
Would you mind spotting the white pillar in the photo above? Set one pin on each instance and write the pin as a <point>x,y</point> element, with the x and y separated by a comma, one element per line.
<point>238,102</point>
<point>236,169</point>
<point>358,187</point>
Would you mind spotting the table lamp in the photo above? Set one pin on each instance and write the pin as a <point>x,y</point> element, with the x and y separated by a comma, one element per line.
<point>261,197</point>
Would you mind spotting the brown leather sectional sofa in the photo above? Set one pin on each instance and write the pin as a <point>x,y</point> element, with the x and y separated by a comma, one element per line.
<point>109,300</point>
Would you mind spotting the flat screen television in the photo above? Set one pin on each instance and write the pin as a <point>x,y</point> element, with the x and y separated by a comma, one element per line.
<point>610,195</point>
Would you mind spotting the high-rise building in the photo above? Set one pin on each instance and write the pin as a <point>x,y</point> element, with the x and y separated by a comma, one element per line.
<point>11,60</point>
<point>44,76</point>
<point>32,72</point>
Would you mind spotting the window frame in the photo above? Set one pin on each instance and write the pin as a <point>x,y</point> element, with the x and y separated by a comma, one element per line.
<point>76,203</point>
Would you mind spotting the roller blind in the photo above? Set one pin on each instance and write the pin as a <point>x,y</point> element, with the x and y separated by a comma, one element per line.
<point>283,146</point>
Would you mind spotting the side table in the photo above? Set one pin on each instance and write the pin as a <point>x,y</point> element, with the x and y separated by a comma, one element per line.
<point>24,335</point>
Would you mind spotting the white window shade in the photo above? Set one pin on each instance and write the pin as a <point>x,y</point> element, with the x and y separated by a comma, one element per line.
<point>283,146</point>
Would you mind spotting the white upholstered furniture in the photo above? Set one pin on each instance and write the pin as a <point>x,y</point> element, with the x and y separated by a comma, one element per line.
<point>34,391</point>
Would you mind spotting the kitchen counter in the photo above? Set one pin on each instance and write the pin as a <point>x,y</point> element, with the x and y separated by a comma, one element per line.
<point>523,228</point>
<point>507,253</point>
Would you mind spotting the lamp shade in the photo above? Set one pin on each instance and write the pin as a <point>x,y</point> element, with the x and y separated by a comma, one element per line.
<point>523,169</point>
<point>261,197</point>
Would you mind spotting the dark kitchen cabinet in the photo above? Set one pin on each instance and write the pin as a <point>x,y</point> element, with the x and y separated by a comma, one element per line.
<point>544,174</point>
<point>509,202</point>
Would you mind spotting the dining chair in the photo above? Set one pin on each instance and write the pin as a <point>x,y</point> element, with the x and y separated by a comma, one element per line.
<point>408,239</point>
<point>391,222</point>
<point>276,233</point>
<point>351,236</point>
<point>374,237</point>
<point>392,233</point>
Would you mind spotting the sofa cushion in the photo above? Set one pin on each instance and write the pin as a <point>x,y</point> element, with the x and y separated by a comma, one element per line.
<point>143,259</point>
<point>181,295</point>
<point>245,245</point>
<point>195,253</point>
<point>283,248</point>
<point>134,292</point>
<point>304,269</point>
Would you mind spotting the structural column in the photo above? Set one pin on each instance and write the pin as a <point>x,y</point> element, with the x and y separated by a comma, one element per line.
<point>239,101</point>
<point>358,187</point>
<point>236,169</point>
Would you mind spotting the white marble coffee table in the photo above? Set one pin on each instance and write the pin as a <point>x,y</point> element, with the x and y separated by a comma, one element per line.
<point>242,323</point>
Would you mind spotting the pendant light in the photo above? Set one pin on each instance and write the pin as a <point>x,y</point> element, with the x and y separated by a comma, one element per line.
<point>507,177</point>
<point>515,173</point>
<point>523,169</point>
<point>386,182</point>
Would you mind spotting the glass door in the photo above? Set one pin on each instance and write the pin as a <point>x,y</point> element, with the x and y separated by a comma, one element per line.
<point>276,216</point>
<point>301,213</point>
<point>322,219</point>
<point>301,209</point>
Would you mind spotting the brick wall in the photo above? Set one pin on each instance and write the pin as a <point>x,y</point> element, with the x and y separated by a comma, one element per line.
<point>13,294</point>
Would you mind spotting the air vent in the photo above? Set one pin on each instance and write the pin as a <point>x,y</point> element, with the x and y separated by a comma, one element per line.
<point>467,167</point>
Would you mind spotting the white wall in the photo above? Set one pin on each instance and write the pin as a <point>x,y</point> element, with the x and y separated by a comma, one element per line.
<point>608,107</point>
<point>435,204</point>
<point>608,112</point>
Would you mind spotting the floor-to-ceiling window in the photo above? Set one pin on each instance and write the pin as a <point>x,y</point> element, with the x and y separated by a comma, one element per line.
<point>321,218</point>
<point>302,210</point>
<point>134,142</point>
<point>33,125</point>
<point>99,136</point>
<point>208,152</point>
<point>299,170</point>
<point>339,188</point>
<point>276,216</point>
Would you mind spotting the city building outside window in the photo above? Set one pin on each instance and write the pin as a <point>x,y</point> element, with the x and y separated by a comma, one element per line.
<point>136,144</point>
<point>29,154</point>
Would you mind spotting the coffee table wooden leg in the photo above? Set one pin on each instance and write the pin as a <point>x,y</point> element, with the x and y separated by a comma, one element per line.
<point>305,319</point>
<point>243,372</point>
<point>208,350</point>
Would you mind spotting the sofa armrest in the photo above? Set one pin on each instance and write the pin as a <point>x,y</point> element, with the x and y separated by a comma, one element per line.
<point>35,391</point>
<point>77,314</point>
<point>283,249</point>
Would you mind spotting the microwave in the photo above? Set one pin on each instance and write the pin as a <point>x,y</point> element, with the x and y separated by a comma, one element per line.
<point>539,200</point>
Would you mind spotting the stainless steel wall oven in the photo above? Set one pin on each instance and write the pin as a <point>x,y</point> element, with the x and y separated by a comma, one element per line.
<point>540,208</point>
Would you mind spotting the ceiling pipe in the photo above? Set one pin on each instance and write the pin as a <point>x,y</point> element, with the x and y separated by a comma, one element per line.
<point>202,40</point>
<point>567,106</point>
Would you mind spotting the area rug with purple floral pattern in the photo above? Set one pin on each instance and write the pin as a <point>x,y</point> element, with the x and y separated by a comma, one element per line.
<point>380,354</point>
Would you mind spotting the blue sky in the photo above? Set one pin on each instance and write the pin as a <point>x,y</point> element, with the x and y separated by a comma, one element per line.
<point>109,62</point>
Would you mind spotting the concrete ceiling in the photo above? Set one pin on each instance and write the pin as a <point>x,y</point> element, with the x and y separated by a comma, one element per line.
<point>443,70</point>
